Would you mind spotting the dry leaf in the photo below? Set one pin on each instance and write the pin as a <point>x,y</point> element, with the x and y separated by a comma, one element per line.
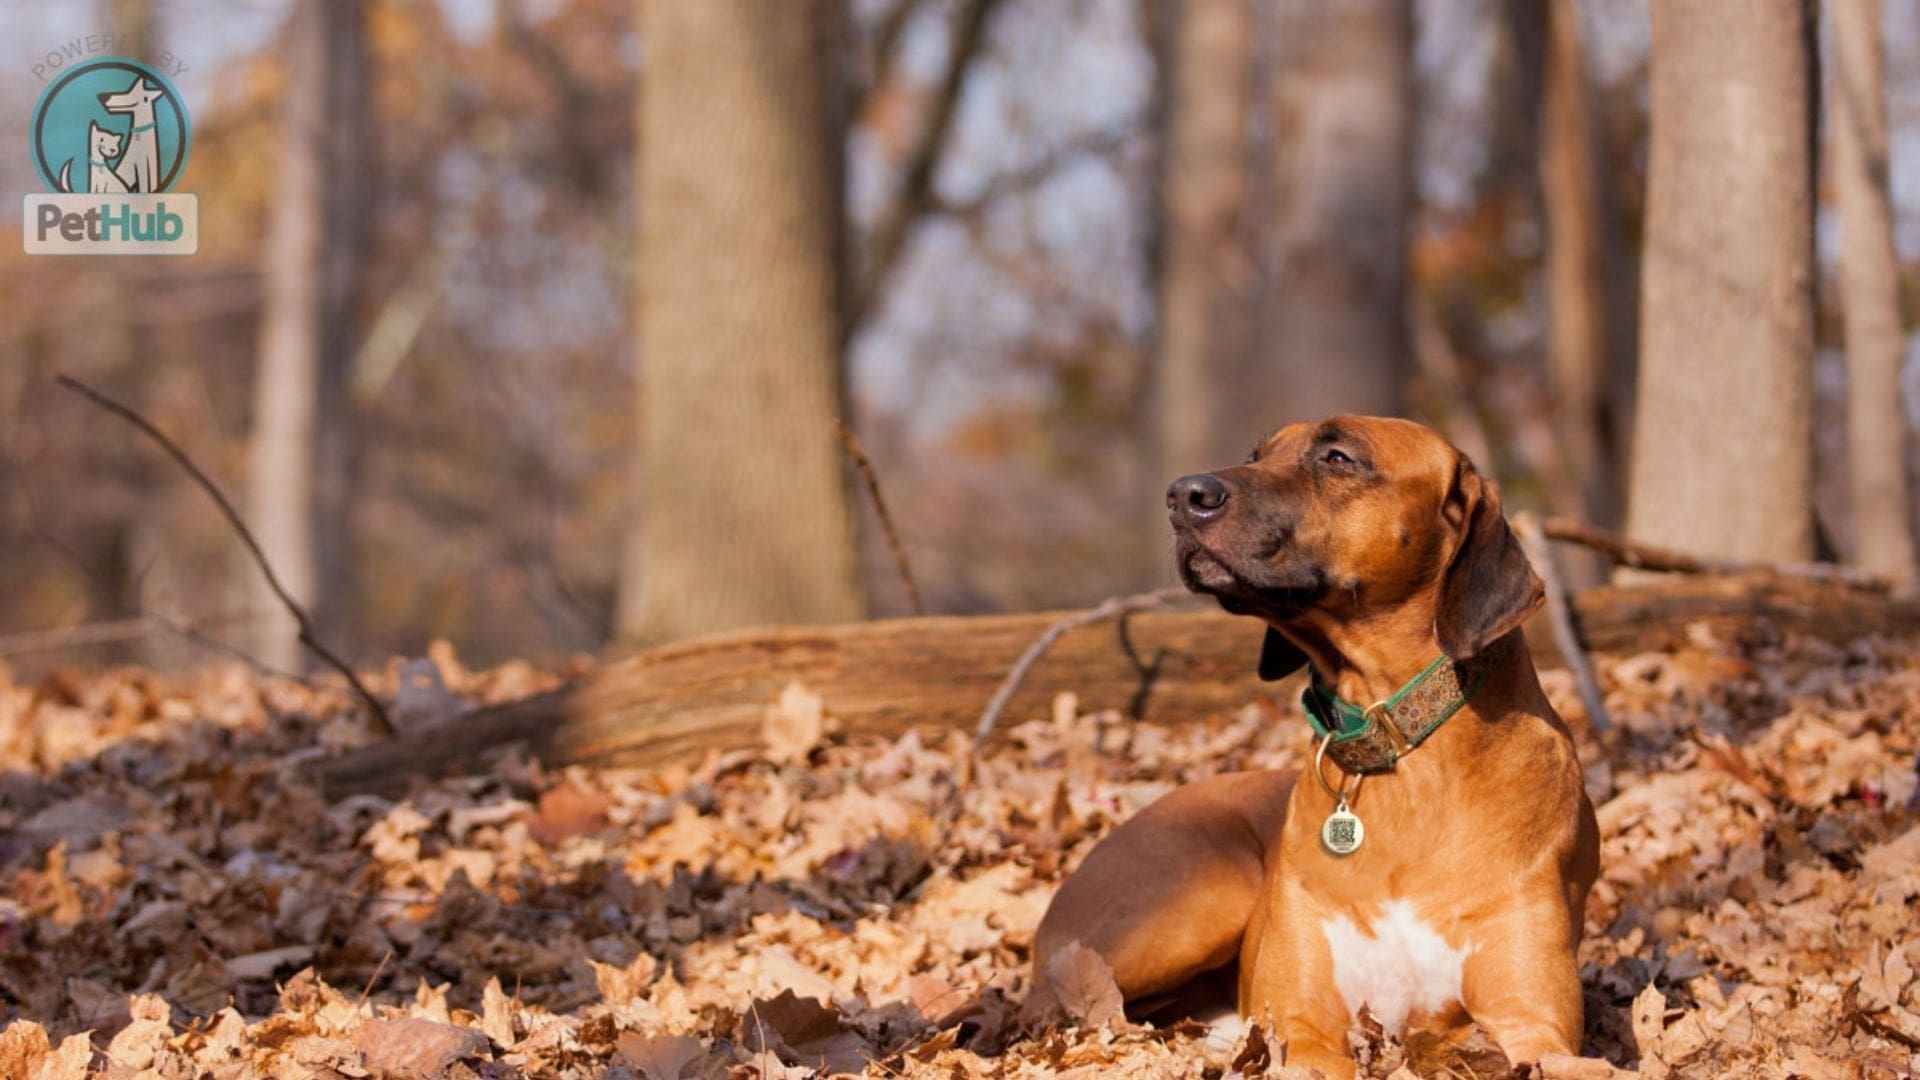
<point>1568,1067</point>
<point>496,1014</point>
<point>621,985</point>
<point>263,964</point>
<point>658,1057</point>
<point>1476,1055</point>
<point>804,1031</point>
<point>1083,984</point>
<point>1649,1020</point>
<point>794,725</point>
<point>767,1066</point>
<point>23,1045</point>
<point>71,1060</point>
<point>413,1047</point>
<point>569,810</point>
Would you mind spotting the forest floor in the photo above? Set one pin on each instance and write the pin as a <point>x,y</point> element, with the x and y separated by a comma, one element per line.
<point>176,896</point>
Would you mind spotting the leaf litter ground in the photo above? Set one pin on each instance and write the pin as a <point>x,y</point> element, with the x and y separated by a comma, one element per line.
<point>179,900</point>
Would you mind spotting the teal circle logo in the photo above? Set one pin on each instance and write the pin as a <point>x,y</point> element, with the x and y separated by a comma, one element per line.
<point>110,126</point>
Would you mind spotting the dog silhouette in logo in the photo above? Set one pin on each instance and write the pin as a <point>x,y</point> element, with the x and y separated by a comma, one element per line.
<point>137,167</point>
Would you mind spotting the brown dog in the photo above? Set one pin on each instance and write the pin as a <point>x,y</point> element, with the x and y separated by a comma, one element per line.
<point>1372,550</point>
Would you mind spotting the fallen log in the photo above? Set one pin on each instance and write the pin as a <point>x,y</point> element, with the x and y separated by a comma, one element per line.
<point>677,701</point>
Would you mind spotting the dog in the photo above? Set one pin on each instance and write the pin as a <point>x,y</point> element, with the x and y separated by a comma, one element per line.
<point>1432,865</point>
<point>139,167</point>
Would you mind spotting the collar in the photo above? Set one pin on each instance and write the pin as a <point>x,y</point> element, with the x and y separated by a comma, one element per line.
<point>1372,739</point>
<point>141,128</point>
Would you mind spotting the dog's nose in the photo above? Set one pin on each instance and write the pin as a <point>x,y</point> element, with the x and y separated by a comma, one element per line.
<point>1196,498</point>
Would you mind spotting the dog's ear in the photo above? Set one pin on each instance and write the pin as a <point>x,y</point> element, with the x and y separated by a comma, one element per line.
<point>1489,587</point>
<point>1279,657</point>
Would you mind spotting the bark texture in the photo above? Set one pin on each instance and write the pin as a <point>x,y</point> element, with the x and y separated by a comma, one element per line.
<point>744,513</point>
<point>1869,292</point>
<point>1207,272</point>
<point>1335,332</point>
<point>300,463</point>
<point>1722,461</point>
<point>1590,336</point>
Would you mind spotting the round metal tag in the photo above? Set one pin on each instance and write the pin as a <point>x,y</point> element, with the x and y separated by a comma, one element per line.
<point>1342,832</point>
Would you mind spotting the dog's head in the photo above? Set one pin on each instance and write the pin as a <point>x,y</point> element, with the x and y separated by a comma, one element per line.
<point>133,97</point>
<point>1348,522</point>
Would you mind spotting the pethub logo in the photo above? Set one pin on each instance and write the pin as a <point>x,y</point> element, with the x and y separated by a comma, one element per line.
<point>109,139</point>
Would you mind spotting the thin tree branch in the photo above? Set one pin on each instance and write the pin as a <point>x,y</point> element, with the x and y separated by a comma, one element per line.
<point>1649,557</point>
<point>1566,636</point>
<point>915,196</point>
<point>307,638</point>
<point>1093,144</point>
<point>852,443</point>
<point>1111,608</point>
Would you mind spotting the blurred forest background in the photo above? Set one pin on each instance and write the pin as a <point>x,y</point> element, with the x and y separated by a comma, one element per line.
<point>526,323</point>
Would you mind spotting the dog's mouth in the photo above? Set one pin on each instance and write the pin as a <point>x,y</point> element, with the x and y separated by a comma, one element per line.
<point>1203,572</point>
<point>1263,591</point>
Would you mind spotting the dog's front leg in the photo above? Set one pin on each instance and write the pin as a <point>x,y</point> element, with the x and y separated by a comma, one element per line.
<point>1522,985</point>
<point>1286,981</point>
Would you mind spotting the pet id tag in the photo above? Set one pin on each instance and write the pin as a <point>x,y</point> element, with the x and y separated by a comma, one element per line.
<point>1342,832</point>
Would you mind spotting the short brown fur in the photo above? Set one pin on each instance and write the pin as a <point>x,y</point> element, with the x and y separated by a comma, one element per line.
<point>1368,546</point>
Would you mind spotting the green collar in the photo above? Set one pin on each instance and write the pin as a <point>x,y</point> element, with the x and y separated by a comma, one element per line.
<point>141,128</point>
<point>1373,738</point>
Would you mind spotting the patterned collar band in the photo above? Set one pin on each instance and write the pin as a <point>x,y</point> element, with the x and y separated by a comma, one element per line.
<point>1374,738</point>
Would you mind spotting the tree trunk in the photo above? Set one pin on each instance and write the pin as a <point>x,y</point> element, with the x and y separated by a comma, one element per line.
<point>1588,340</point>
<point>1335,330</point>
<point>1869,293</point>
<point>134,22</point>
<point>744,515</point>
<point>300,462</point>
<point>1722,461</point>
<point>1206,332</point>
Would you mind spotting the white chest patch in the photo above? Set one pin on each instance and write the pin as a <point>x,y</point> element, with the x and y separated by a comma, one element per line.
<point>1396,967</point>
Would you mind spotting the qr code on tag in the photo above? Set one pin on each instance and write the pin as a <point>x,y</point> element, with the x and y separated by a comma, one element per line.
<point>1341,833</point>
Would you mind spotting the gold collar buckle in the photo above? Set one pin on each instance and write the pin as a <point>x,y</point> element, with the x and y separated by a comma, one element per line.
<point>1379,717</point>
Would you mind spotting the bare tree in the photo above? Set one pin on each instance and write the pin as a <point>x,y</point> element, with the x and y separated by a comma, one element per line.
<point>134,22</point>
<point>1207,418</point>
<point>1335,332</point>
<point>301,462</point>
<point>1722,456</point>
<point>744,512</point>
<point>1869,292</point>
<point>1590,340</point>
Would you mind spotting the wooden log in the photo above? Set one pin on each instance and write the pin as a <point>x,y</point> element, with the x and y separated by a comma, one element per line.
<point>675,702</point>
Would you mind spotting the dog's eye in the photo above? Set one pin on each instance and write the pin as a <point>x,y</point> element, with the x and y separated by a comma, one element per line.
<point>1336,456</point>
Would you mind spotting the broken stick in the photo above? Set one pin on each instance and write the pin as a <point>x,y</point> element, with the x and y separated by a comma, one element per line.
<point>1641,556</point>
<point>859,457</point>
<point>1111,608</point>
<point>1566,636</point>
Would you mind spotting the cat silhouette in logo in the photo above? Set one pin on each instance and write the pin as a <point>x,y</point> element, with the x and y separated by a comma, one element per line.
<point>103,147</point>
